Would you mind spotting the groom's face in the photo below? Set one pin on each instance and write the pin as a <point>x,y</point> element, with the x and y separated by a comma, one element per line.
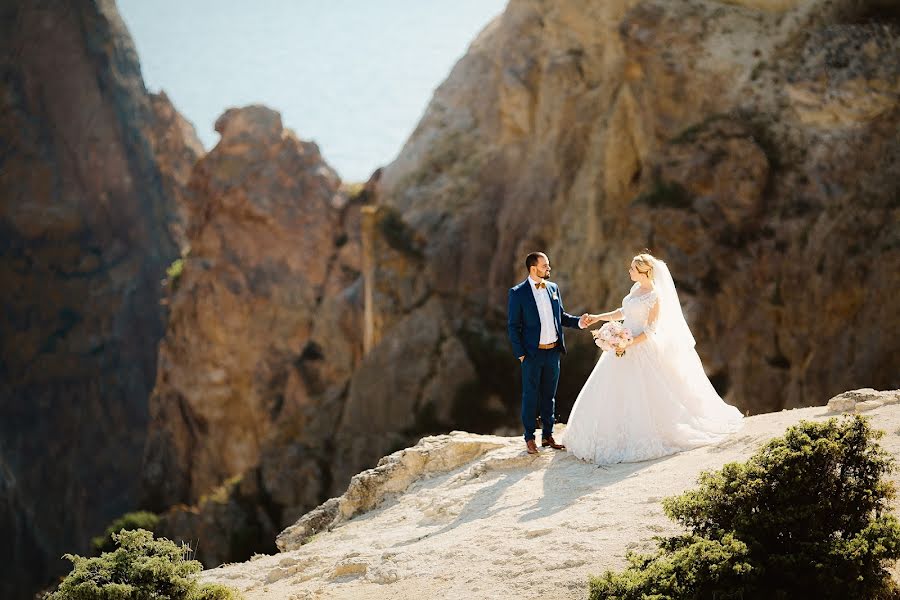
<point>542,268</point>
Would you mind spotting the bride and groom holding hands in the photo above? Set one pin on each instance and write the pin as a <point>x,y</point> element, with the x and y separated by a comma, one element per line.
<point>651,400</point>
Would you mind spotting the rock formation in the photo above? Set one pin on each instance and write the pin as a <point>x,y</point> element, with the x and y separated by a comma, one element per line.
<point>392,475</point>
<point>89,180</point>
<point>177,149</point>
<point>241,403</point>
<point>753,147</point>
<point>261,248</point>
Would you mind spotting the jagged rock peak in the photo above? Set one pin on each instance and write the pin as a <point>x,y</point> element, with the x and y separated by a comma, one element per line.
<point>256,121</point>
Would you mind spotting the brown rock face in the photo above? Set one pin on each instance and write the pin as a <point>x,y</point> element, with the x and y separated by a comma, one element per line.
<point>749,148</point>
<point>177,149</point>
<point>263,247</point>
<point>84,241</point>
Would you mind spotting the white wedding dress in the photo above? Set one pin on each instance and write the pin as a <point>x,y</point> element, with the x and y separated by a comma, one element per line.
<point>655,400</point>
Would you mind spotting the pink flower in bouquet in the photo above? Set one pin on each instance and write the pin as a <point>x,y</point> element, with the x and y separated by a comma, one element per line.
<point>613,336</point>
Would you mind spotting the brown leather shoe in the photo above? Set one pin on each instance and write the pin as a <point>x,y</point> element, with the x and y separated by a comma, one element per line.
<point>552,443</point>
<point>531,446</point>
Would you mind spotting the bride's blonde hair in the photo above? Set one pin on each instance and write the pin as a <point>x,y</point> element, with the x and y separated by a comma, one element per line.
<point>643,262</point>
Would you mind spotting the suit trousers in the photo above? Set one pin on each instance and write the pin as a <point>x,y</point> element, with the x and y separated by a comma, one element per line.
<point>540,376</point>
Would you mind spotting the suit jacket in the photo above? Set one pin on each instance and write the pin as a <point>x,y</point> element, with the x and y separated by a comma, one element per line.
<point>524,321</point>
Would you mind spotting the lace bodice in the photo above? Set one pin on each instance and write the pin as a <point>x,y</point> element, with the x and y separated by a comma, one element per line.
<point>636,309</point>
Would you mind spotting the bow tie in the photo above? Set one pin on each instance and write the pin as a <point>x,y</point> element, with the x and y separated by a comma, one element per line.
<point>540,285</point>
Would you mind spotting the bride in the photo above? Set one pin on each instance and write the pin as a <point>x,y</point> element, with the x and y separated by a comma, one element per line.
<point>655,399</point>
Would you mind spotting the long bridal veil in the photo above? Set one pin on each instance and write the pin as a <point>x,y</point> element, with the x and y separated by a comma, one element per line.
<point>677,349</point>
<point>672,331</point>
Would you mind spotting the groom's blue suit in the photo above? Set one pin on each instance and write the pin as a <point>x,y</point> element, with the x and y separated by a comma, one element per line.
<point>540,369</point>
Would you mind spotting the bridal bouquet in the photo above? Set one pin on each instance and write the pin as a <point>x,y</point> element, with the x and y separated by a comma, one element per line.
<point>612,336</point>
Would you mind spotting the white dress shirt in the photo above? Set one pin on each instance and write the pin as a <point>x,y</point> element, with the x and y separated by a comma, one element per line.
<point>545,310</point>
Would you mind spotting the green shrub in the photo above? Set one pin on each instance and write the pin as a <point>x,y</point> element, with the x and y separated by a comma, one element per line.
<point>804,517</point>
<point>140,519</point>
<point>216,591</point>
<point>141,567</point>
<point>174,273</point>
<point>683,567</point>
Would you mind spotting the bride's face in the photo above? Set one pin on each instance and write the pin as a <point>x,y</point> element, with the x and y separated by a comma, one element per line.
<point>633,273</point>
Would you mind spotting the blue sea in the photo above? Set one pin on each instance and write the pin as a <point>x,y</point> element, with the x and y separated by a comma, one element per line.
<point>354,76</point>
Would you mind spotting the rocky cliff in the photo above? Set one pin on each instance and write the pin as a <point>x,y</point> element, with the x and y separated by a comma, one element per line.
<point>265,290</point>
<point>89,171</point>
<point>752,145</point>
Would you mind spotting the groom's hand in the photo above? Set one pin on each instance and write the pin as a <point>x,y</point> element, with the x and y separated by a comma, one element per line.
<point>584,321</point>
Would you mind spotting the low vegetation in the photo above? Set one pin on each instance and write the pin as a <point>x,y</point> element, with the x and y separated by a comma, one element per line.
<point>140,567</point>
<point>805,517</point>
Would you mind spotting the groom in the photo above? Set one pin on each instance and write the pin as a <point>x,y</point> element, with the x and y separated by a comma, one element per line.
<point>535,323</point>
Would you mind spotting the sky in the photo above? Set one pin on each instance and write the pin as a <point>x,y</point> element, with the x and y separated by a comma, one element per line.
<point>354,76</point>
